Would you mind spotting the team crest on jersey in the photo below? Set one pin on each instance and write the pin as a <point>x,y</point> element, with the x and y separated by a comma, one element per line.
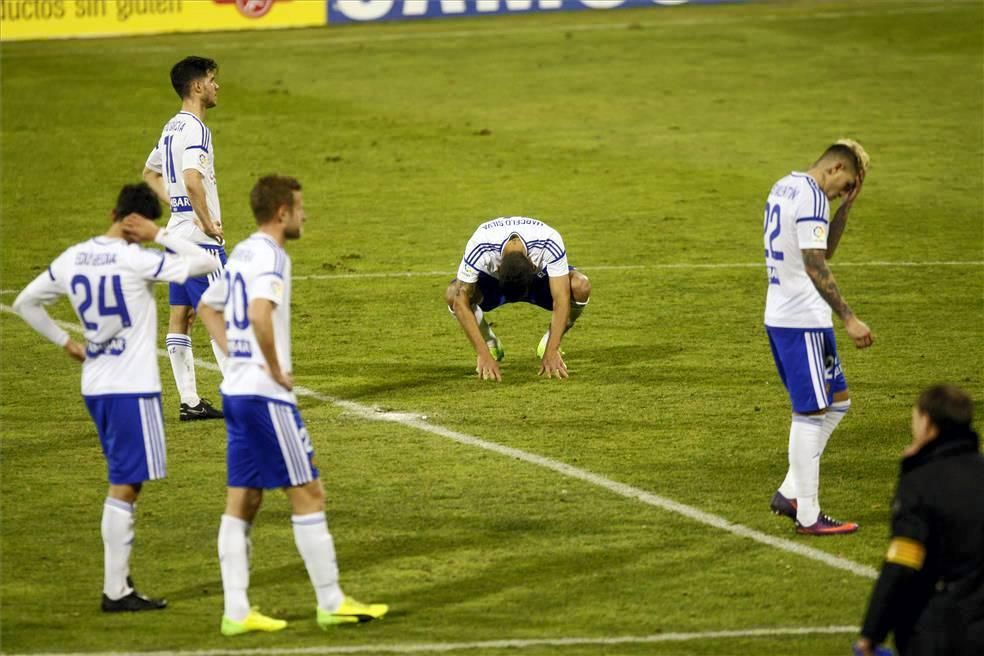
<point>819,232</point>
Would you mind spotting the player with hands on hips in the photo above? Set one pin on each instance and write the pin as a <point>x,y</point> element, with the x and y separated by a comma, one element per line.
<point>247,311</point>
<point>181,170</point>
<point>109,281</point>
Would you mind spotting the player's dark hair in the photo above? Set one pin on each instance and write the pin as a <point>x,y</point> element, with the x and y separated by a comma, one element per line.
<point>947,406</point>
<point>189,69</point>
<point>137,199</point>
<point>843,153</point>
<point>270,193</point>
<point>516,274</point>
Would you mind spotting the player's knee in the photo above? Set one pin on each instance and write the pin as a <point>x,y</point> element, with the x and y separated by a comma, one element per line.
<point>308,498</point>
<point>243,503</point>
<point>580,287</point>
<point>126,492</point>
<point>180,319</point>
<point>449,295</point>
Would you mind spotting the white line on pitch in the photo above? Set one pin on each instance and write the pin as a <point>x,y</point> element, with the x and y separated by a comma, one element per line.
<point>637,267</point>
<point>361,275</point>
<point>415,421</point>
<point>439,647</point>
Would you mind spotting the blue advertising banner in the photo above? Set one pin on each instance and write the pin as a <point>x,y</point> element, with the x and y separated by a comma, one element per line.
<point>348,11</point>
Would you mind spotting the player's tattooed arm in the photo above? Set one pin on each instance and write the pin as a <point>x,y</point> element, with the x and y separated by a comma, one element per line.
<point>465,293</point>
<point>815,261</point>
<point>839,222</point>
<point>836,231</point>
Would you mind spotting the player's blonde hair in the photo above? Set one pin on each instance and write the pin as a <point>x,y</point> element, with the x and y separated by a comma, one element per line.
<point>860,154</point>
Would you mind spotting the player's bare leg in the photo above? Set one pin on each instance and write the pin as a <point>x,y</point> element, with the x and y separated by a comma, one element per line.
<point>242,504</point>
<point>119,594</point>
<point>798,496</point>
<point>580,295</point>
<point>178,342</point>
<point>315,544</point>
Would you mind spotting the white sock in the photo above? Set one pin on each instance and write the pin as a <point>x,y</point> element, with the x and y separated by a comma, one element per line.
<point>220,357</point>
<point>318,551</point>
<point>483,325</point>
<point>804,464</point>
<point>835,412</point>
<point>117,535</point>
<point>234,564</point>
<point>183,366</point>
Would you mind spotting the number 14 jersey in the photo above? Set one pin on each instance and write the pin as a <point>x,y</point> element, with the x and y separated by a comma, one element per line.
<point>796,219</point>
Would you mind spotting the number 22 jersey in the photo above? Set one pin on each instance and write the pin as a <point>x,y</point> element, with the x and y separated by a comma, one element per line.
<point>796,219</point>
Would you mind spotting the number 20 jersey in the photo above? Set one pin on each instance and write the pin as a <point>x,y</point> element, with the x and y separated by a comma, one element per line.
<point>110,286</point>
<point>258,268</point>
<point>796,219</point>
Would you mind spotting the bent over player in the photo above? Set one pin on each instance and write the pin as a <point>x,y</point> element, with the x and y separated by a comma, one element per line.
<point>509,260</point>
<point>799,239</point>
<point>108,280</point>
<point>247,311</point>
<point>181,170</point>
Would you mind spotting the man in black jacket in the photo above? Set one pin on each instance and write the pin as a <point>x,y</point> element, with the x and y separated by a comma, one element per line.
<point>930,592</point>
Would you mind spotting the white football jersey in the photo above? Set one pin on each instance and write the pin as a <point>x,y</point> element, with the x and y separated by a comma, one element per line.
<point>257,268</point>
<point>483,253</point>
<point>796,218</point>
<point>187,144</point>
<point>110,285</point>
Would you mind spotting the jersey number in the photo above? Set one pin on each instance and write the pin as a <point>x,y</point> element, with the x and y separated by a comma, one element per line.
<point>772,216</point>
<point>169,159</point>
<point>236,294</point>
<point>105,310</point>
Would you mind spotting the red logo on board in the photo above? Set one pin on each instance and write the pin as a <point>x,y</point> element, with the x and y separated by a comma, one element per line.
<point>251,8</point>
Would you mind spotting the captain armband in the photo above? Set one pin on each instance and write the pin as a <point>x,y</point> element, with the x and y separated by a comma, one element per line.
<point>906,552</point>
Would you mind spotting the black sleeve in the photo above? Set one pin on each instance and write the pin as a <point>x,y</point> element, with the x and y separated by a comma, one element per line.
<point>883,607</point>
<point>910,520</point>
<point>910,515</point>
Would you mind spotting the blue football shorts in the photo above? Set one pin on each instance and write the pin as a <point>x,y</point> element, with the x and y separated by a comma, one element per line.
<point>492,297</point>
<point>808,365</point>
<point>268,445</point>
<point>190,291</point>
<point>131,430</point>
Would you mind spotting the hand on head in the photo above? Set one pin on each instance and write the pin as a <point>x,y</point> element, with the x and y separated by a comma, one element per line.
<point>137,228</point>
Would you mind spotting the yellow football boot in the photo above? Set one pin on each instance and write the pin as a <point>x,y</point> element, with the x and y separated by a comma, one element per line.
<point>255,621</point>
<point>351,612</point>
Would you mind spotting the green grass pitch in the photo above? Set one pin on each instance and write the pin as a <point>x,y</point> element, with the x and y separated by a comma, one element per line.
<point>649,139</point>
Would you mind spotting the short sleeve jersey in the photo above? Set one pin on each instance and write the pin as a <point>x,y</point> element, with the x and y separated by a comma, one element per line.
<point>186,144</point>
<point>110,285</point>
<point>796,219</point>
<point>483,253</point>
<point>258,268</point>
